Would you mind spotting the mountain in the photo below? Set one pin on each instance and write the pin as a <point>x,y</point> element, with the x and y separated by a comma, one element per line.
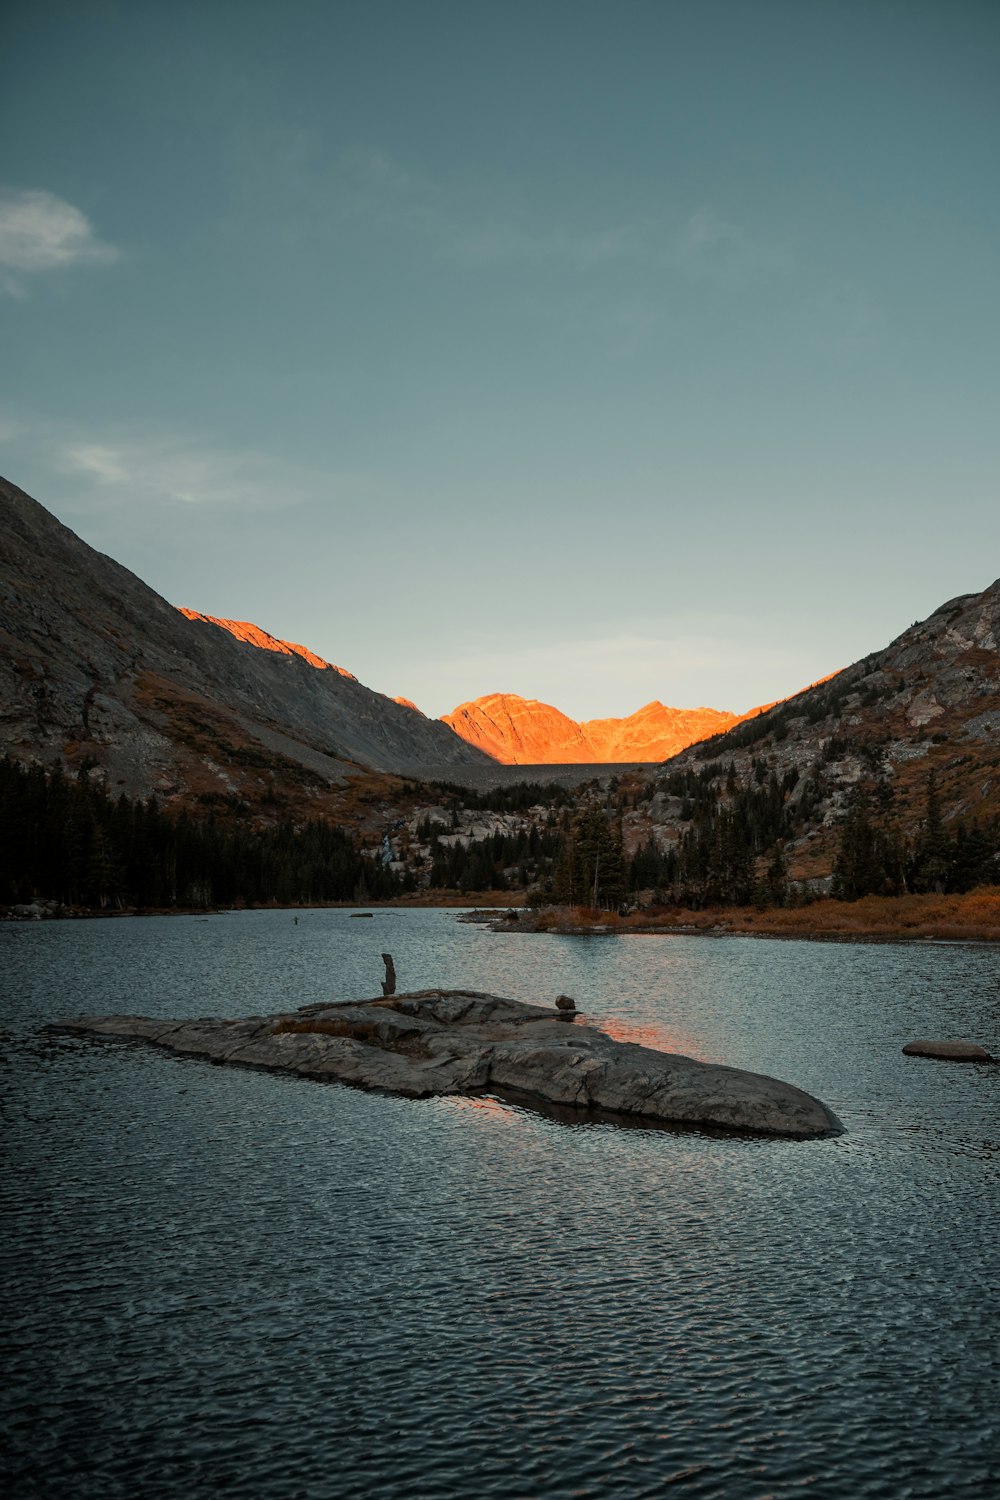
<point>888,771</point>
<point>95,667</point>
<point>245,630</point>
<point>897,757</point>
<point>522,731</point>
<point>922,712</point>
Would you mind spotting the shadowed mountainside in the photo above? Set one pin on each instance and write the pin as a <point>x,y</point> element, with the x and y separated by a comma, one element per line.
<point>929,702</point>
<point>97,667</point>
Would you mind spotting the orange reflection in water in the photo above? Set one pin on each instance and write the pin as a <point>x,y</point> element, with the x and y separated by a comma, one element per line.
<point>659,1036</point>
<point>487,1105</point>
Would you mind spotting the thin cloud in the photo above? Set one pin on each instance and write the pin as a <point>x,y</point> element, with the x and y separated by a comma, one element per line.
<point>104,464</point>
<point>470,227</point>
<point>373,169</point>
<point>706,244</point>
<point>511,243</point>
<point>182,471</point>
<point>40,232</point>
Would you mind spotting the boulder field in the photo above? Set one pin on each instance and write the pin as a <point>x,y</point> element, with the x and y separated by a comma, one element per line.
<point>463,1042</point>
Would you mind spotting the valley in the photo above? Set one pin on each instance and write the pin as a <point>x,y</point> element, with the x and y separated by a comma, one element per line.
<point>881,780</point>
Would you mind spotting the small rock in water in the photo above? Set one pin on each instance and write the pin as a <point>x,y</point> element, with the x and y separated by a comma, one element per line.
<point>565,1002</point>
<point>949,1051</point>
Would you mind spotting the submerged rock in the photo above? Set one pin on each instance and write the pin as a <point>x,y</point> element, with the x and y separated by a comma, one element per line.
<point>949,1051</point>
<point>465,1042</point>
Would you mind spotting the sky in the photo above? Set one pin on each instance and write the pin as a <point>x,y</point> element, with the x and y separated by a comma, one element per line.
<point>596,352</point>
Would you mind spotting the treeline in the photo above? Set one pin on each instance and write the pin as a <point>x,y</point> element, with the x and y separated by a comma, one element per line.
<point>874,859</point>
<point>495,863</point>
<point>590,869</point>
<point>63,838</point>
<point>731,850</point>
<point>732,847</point>
<point>516,797</point>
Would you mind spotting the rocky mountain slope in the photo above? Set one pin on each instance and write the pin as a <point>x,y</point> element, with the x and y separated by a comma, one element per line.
<point>245,630</point>
<point>97,667</point>
<point>770,798</point>
<point>928,702</point>
<point>525,732</point>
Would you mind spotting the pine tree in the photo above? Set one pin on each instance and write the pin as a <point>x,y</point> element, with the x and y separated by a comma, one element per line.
<point>777,877</point>
<point>934,854</point>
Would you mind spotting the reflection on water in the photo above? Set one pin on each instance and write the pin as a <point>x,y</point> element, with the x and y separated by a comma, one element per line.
<point>223,1280</point>
<point>659,1037</point>
<point>486,1104</point>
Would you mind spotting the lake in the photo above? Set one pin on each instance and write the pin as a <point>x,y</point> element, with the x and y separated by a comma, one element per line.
<point>221,1280</point>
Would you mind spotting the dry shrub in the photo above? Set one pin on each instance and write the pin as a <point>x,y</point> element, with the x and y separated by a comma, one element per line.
<point>974,915</point>
<point>362,1031</point>
<point>369,1032</point>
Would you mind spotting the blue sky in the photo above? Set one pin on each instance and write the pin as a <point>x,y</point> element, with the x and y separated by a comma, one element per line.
<point>598,352</point>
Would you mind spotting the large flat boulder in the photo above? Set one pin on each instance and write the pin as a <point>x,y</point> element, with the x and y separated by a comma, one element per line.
<point>465,1042</point>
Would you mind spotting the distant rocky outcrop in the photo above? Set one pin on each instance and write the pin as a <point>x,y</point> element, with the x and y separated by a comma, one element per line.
<point>463,1042</point>
<point>96,668</point>
<point>523,731</point>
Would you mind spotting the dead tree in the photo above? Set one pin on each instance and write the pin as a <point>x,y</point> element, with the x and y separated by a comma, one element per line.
<point>389,982</point>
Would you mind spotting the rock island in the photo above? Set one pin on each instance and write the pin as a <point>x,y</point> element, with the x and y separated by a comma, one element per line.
<point>464,1042</point>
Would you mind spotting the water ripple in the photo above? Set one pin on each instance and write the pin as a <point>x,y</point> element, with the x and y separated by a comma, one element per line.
<point>221,1280</point>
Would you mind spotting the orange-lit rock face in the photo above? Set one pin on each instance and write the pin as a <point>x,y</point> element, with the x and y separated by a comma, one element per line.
<point>522,731</point>
<point>244,630</point>
<point>409,703</point>
<point>655,732</point>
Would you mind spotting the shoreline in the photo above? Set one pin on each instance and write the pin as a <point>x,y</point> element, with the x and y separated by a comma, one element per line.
<point>44,910</point>
<point>972,917</point>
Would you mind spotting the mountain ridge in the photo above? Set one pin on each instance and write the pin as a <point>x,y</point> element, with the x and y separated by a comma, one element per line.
<point>526,731</point>
<point>100,673</point>
<point>514,730</point>
<point>97,668</point>
<point>255,635</point>
<point>916,719</point>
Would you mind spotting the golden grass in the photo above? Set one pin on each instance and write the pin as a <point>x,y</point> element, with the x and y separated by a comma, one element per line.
<point>973,917</point>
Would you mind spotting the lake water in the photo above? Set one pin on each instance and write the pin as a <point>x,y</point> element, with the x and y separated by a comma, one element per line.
<point>224,1281</point>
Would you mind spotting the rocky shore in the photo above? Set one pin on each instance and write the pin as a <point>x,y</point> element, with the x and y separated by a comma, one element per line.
<point>464,1042</point>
